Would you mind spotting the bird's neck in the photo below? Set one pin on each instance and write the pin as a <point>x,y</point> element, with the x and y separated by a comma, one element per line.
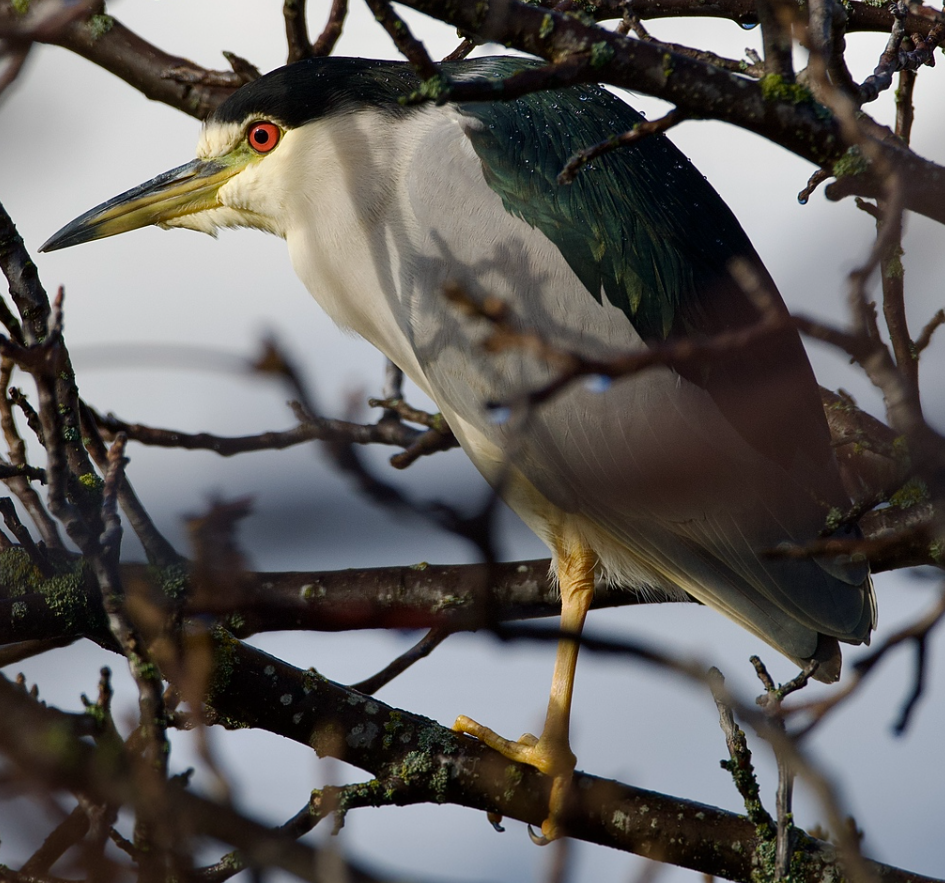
<point>350,231</point>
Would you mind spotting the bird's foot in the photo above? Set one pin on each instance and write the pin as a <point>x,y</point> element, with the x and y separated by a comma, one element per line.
<point>551,756</point>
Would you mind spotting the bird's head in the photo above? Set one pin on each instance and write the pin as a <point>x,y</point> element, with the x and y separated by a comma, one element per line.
<point>250,153</point>
<point>223,187</point>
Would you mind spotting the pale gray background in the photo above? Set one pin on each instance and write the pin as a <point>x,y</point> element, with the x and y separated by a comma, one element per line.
<point>74,136</point>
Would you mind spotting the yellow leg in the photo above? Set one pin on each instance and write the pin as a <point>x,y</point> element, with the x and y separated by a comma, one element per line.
<point>551,752</point>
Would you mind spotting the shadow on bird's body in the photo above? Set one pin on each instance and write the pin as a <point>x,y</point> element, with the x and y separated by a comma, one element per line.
<point>674,480</point>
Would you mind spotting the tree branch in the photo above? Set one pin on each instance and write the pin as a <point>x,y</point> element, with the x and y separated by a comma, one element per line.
<point>434,764</point>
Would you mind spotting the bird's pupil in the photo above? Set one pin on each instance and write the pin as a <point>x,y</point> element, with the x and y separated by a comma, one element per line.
<point>260,136</point>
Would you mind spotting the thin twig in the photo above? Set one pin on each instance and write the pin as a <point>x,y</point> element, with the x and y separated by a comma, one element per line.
<point>19,484</point>
<point>815,180</point>
<point>637,133</point>
<point>296,30</point>
<point>423,648</point>
<point>63,837</point>
<point>311,428</point>
<point>22,534</point>
<point>401,409</point>
<point>917,632</point>
<point>461,51</point>
<point>754,67</point>
<point>410,47</point>
<point>739,765</point>
<point>571,366</point>
<point>771,701</point>
<point>895,58</point>
<point>430,442</point>
<point>115,473</point>
<point>905,109</point>
<point>159,551</point>
<point>777,22</point>
<point>925,337</point>
<point>333,28</point>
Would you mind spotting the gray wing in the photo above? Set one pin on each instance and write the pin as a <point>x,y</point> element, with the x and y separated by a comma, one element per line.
<point>686,482</point>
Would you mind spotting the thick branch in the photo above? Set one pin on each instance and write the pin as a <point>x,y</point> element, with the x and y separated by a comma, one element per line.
<point>432,764</point>
<point>861,16</point>
<point>455,596</point>
<point>105,41</point>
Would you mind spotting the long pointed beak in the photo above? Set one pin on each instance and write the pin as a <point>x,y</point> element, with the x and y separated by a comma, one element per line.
<point>186,190</point>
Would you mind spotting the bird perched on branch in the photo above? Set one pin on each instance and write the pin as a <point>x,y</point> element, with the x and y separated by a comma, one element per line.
<point>675,480</point>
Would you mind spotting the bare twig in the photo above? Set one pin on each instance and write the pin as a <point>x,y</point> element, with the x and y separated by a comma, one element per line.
<point>410,47</point>
<point>423,648</point>
<point>905,110</point>
<point>894,303</point>
<point>20,484</point>
<point>739,765</point>
<point>62,838</point>
<point>925,337</point>
<point>333,27</point>
<point>296,30</point>
<point>114,475</point>
<point>895,58</point>
<point>22,534</point>
<point>244,70</point>
<point>754,67</point>
<point>186,73</point>
<point>159,551</point>
<point>815,180</point>
<point>570,366</point>
<point>399,408</point>
<point>638,132</point>
<point>786,835</point>
<point>311,428</point>
<point>777,23</point>
<point>430,442</point>
<point>461,51</point>
<point>865,347</point>
<point>917,633</point>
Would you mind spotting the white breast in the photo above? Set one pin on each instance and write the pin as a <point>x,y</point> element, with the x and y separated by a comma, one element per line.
<point>637,472</point>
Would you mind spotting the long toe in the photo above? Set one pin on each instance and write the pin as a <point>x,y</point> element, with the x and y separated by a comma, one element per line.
<point>551,757</point>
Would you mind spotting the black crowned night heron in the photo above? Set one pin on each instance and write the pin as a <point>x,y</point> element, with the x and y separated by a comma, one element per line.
<point>672,481</point>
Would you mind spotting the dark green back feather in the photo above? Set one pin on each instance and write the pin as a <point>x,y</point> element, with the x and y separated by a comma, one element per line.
<point>641,223</point>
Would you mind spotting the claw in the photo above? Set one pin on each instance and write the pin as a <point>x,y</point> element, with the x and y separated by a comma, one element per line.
<point>537,839</point>
<point>495,820</point>
<point>551,752</point>
<point>551,756</point>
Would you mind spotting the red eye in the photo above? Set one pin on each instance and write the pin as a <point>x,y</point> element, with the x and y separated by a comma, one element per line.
<point>263,137</point>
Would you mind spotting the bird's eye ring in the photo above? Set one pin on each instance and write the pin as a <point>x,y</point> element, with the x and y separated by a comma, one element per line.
<point>262,137</point>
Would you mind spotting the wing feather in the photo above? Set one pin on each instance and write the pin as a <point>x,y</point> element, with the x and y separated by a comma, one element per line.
<point>683,478</point>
